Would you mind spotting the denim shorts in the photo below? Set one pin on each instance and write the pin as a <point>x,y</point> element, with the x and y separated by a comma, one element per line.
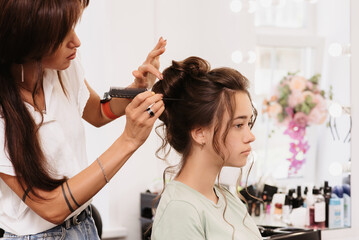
<point>85,230</point>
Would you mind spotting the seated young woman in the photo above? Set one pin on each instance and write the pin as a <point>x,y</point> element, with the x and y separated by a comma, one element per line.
<point>209,125</point>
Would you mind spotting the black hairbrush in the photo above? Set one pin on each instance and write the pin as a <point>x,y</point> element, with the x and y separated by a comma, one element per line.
<point>130,93</point>
<point>117,92</point>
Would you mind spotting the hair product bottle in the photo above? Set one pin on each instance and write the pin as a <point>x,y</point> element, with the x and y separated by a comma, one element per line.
<point>286,210</point>
<point>299,200</point>
<point>317,210</point>
<point>327,196</point>
<point>336,214</point>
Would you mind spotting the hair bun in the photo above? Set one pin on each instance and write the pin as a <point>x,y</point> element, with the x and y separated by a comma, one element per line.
<point>193,66</point>
<point>180,72</point>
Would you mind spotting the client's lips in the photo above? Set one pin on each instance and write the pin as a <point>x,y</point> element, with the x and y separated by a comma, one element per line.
<point>247,151</point>
<point>72,56</point>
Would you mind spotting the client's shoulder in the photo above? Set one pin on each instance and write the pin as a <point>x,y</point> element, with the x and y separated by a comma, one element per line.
<point>178,191</point>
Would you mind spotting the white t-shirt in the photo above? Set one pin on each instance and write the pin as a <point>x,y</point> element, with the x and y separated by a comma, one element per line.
<point>62,138</point>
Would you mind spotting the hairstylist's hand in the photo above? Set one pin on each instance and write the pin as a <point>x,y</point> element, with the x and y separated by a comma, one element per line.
<point>139,120</point>
<point>145,75</point>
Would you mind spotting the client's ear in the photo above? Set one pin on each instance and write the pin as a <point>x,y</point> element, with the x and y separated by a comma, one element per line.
<point>199,135</point>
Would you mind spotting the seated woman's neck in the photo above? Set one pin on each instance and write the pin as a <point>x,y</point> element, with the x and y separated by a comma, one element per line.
<point>200,172</point>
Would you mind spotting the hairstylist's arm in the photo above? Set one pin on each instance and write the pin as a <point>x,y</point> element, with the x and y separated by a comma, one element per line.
<point>145,76</point>
<point>87,183</point>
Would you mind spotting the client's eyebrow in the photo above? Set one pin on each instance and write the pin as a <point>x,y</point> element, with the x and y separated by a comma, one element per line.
<point>245,117</point>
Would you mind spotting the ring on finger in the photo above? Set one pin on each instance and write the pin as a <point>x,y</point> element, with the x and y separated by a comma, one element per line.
<point>149,110</point>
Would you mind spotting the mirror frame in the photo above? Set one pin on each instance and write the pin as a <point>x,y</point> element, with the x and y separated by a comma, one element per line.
<point>352,232</point>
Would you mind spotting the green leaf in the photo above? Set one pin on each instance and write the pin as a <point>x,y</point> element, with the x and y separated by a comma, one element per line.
<point>315,79</point>
<point>322,92</point>
<point>281,117</point>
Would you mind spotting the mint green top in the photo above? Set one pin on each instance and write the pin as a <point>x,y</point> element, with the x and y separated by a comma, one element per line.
<point>185,214</point>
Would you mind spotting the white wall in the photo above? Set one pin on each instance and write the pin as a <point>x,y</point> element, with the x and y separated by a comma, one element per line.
<point>116,36</point>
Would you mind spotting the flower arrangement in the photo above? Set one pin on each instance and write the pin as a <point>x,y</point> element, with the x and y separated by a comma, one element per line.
<point>297,103</point>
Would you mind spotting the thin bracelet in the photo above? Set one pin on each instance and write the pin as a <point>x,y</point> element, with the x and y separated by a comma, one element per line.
<point>103,170</point>
<point>67,201</point>
<point>73,199</point>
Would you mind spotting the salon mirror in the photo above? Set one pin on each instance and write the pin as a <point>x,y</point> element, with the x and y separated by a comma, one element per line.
<point>264,40</point>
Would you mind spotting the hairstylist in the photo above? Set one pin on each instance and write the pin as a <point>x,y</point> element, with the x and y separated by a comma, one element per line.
<point>46,184</point>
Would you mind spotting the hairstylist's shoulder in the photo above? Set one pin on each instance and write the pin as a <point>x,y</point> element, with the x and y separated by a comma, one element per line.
<point>179,220</point>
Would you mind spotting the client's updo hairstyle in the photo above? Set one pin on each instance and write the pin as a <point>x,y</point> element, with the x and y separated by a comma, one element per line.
<point>205,95</point>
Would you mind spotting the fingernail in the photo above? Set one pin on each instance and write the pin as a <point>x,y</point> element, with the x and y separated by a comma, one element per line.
<point>161,77</point>
<point>153,93</point>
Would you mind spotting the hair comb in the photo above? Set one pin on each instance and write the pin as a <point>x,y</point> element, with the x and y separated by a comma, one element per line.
<point>119,92</point>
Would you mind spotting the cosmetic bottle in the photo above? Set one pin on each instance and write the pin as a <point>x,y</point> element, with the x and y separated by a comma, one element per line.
<point>289,198</point>
<point>308,202</point>
<point>305,192</point>
<point>265,200</point>
<point>298,202</point>
<point>257,208</point>
<point>327,195</point>
<point>336,218</point>
<point>278,210</point>
<point>347,208</point>
<point>269,203</point>
<point>286,210</point>
<point>347,205</point>
<point>250,206</point>
<point>317,211</point>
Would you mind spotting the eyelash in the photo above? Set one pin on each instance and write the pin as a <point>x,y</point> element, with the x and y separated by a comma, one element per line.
<point>250,124</point>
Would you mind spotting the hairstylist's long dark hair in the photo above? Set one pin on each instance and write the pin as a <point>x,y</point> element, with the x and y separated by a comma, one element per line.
<point>207,95</point>
<point>29,30</point>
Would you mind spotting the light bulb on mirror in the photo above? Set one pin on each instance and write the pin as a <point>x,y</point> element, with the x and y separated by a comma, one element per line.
<point>278,3</point>
<point>237,56</point>
<point>266,3</point>
<point>337,49</point>
<point>312,1</point>
<point>335,109</point>
<point>252,6</point>
<point>335,169</point>
<point>236,6</point>
<point>251,57</point>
